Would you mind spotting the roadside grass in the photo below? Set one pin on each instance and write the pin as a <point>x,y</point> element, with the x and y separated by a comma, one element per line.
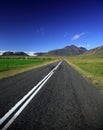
<point>10,66</point>
<point>90,66</point>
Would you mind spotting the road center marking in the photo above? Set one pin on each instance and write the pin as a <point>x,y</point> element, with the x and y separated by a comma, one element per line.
<point>30,95</point>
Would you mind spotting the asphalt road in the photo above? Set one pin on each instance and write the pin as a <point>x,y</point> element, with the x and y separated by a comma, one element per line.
<point>65,102</point>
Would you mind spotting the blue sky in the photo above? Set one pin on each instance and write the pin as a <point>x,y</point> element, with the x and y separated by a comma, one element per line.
<point>43,25</point>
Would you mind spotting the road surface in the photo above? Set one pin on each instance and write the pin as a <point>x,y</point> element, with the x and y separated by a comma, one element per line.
<point>65,101</point>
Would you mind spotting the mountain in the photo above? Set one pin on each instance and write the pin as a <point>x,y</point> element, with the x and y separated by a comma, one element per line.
<point>96,51</point>
<point>40,53</point>
<point>10,53</point>
<point>13,53</point>
<point>67,51</point>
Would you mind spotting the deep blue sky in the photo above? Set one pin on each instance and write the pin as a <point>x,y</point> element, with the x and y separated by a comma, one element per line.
<point>43,25</point>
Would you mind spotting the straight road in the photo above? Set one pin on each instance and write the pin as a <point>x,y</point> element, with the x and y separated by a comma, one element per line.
<point>65,101</point>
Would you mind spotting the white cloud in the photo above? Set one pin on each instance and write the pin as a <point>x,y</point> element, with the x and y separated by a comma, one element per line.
<point>81,45</point>
<point>1,52</point>
<point>77,36</point>
<point>66,34</point>
<point>87,46</point>
<point>31,53</point>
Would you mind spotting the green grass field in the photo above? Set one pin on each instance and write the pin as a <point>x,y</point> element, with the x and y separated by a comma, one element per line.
<point>10,66</point>
<point>91,66</point>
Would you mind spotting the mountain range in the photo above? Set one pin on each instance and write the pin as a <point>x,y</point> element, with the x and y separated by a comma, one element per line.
<point>66,51</point>
<point>96,51</point>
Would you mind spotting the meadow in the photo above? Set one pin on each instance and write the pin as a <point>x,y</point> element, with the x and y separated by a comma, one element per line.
<point>90,66</point>
<point>8,64</point>
<point>11,65</point>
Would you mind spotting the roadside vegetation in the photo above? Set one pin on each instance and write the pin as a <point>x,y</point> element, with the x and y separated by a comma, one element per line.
<point>11,65</point>
<point>90,66</point>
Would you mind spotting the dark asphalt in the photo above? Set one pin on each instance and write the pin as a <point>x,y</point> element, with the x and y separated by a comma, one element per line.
<point>66,102</point>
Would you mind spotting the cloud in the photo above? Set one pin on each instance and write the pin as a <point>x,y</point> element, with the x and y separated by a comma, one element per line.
<point>77,36</point>
<point>66,34</point>
<point>87,46</point>
<point>81,45</point>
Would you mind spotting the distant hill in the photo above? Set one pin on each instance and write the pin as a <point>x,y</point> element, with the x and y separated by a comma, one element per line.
<point>40,53</point>
<point>97,51</point>
<point>67,51</point>
<point>9,53</point>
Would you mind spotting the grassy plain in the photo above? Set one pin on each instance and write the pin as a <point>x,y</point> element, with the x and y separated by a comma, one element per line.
<point>90,66</point>
<point>13,65</point>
